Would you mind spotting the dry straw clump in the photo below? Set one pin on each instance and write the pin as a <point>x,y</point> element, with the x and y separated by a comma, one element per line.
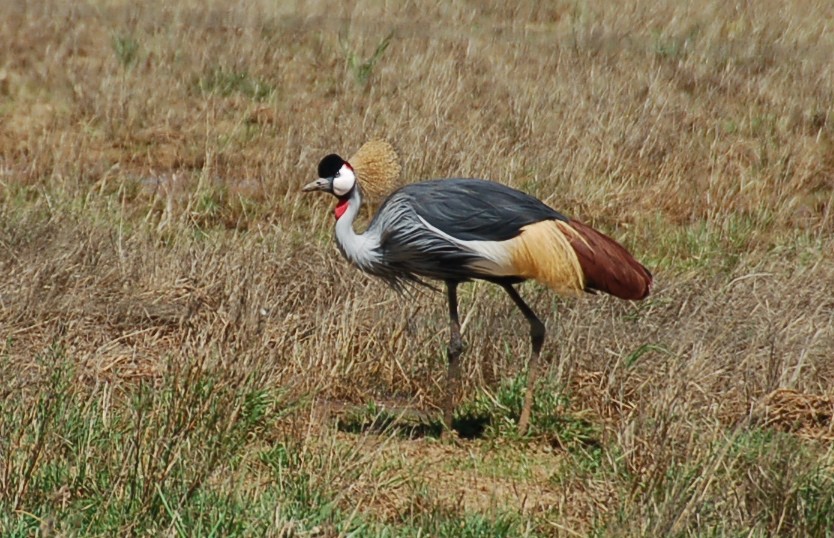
<point>807,415</point>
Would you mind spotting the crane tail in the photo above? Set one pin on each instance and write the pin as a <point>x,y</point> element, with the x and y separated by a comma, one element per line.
<point>570,257</point>
<point>606,265</point>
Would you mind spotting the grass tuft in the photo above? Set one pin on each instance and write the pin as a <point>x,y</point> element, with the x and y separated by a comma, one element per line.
<point>361,70</point>
<point>126,49</point>
<point>225,82</point>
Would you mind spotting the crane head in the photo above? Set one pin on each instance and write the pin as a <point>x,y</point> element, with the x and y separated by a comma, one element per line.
<point>336,176</point>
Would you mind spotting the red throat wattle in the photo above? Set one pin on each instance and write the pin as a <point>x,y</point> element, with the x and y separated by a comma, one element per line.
<point>340,209</point>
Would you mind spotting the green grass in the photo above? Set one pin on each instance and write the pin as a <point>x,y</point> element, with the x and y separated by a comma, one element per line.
<point>772,479</point>
<point>138,456</point>
<point>486,415</point>
<point>126,48</point>
<point>362,70</point>
<point>223,81</point>
<point>178,455</point>
<point>496,414</point>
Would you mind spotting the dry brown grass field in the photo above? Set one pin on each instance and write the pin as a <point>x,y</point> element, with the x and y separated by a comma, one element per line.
<point>183,352</point>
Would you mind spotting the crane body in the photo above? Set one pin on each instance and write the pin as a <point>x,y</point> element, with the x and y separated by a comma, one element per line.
<point>457,230</point>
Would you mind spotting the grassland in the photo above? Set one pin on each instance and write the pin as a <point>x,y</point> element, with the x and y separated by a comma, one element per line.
<point>183,352</point>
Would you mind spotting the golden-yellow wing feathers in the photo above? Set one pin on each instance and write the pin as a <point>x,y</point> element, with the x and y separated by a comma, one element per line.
<point>543,251</point>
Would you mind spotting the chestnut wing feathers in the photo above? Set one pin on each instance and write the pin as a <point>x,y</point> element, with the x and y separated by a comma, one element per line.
<point>608,266</point>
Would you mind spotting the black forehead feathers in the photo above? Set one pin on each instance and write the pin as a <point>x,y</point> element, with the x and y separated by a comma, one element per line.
<point>330,165</point>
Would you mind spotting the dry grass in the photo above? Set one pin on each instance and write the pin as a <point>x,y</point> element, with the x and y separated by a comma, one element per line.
<point>152,233</point>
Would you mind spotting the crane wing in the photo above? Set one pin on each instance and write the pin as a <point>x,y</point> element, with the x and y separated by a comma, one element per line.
<point>476,209</point>
<point>453,229</point>
<point>470,228</point>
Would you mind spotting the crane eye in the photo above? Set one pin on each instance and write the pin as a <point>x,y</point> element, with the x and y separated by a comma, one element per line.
<point>339,173</point>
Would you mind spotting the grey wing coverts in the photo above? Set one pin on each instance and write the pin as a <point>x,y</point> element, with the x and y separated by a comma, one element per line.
<point>465,209</point>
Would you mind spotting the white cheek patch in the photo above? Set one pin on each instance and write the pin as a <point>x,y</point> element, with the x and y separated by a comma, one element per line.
<point>344,181</point>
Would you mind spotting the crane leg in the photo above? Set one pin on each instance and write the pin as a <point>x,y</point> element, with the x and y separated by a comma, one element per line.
<point>537,333</point>
<point>453,354</point>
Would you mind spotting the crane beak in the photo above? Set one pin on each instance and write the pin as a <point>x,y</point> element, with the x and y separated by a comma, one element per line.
<point>321,184</point>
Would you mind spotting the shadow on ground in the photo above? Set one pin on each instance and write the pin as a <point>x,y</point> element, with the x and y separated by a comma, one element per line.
<point>408,423</point>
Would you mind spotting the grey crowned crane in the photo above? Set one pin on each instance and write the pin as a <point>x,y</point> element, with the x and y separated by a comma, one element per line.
<point>457,230</point>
